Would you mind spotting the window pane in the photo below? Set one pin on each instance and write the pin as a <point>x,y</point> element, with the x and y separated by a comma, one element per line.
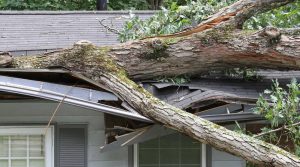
<point>18,146</point>
<point>187,142</point>
<point>3,146</point>
<point>169,156</point>
<point>36,146</point>
<point>18,163</point>
<point>4,163</point>
<point>36,163</point>
<point>150,144</point>
<point>191,156</point>
<point>21,149</point>
<point>149,156</point>
<point>170,141</point>
<point>174,150</point>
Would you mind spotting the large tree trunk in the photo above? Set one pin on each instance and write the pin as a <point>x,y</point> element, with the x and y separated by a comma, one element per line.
<point>221,45</point>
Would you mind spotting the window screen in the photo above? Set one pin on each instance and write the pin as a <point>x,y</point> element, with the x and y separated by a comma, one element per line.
<point>173,150</point>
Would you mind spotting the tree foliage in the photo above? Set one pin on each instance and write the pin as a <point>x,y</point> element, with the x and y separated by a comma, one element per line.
<point>142,4</point>
<point>175,18</point>
<point>79,4</point>
<point>171,19</point>
<point>47,5</point>
<point>128,5</point>
<point>281,108</point>
<point>71,5</point>
<point>284,17</point>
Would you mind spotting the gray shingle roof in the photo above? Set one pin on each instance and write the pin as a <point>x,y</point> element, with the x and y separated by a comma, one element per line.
<point>27,30</point>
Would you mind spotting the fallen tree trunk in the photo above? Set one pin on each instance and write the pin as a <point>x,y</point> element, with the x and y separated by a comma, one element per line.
<point>221,45</point>
<point>198,54</point>
<point>211,50</point>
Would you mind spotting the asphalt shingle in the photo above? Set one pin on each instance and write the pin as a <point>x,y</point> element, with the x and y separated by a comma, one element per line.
<point>27,30</point>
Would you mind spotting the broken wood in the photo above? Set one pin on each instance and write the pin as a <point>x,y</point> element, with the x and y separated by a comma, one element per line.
<point>5,59</point>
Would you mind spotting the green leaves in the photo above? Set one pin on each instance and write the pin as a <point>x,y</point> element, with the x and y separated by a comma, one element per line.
<point>71,5</point>
<point>175,18</point>
<point>284,17</point>
<point>181,79</point>
<point>281,108</point>
<point>171,20</point>
<point>47,5</point>
<point>128,5</point>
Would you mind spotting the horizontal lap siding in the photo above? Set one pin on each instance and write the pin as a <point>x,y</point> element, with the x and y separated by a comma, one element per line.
<point>223,159</point>
<point>21,112</point>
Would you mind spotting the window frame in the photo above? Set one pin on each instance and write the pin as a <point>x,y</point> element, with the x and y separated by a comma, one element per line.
<point>35,130</point>
<point>204,155</point>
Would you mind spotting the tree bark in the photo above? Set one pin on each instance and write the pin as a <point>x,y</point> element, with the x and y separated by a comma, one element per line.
<point>220,46</point>
<point>210,50</point>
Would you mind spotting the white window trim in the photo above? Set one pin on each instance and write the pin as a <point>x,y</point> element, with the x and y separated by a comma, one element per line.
<point>35,130</point>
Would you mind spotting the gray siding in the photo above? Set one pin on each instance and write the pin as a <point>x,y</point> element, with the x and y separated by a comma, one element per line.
<point>35,112</point>
<point>222,159</point>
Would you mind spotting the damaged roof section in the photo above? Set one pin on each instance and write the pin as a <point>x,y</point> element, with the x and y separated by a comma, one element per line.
<point>222,101</point>
<point>200,93</point>
<point>201,96</point>
<point>83,97</point>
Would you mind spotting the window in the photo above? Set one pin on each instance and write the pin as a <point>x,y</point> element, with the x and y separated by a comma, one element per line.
<point>26,147</point>
<point>174,150</point>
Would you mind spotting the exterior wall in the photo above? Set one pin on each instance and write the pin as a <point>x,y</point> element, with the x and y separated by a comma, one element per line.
<point>39,112</point>
<point>222,159</point>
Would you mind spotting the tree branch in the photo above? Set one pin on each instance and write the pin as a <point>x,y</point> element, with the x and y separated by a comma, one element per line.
<point>245,9</point>
<point>5,59</point>
<point>248,8</point>
<point>231,17</point>
<point>276,130</point>
<point>208,51</point>
<point>110,29</point>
